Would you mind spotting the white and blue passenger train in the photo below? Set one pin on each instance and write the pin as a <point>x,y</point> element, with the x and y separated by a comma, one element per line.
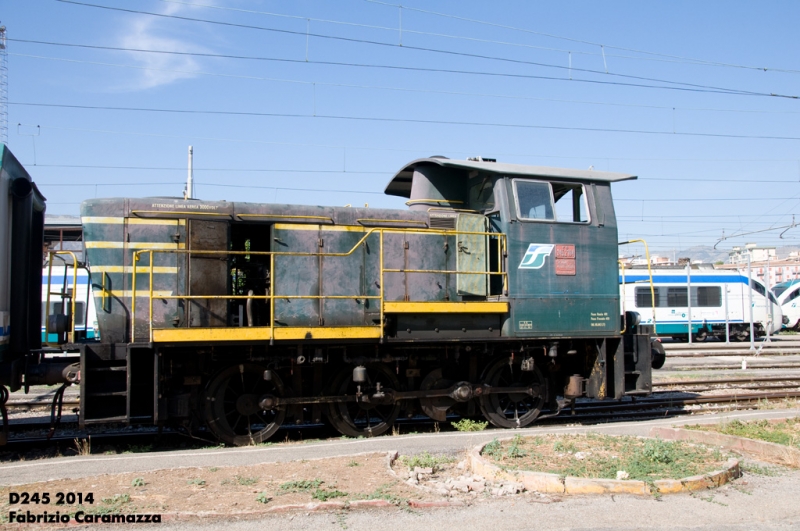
<point>788,294</point>
<point>713,294</point>
<point>85,316</point>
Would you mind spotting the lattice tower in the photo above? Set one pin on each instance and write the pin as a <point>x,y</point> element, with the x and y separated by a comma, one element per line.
<point>3,86</point>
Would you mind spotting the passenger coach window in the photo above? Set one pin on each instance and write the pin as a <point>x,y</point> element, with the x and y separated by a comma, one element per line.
<point>707,296</point>
<point>794,295</point>
<point>534,200</point>
<point>644,298</point>
<point>677,297</point>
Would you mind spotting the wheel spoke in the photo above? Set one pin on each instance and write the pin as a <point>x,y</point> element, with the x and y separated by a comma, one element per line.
<point>231,417</point>
<point>510,410</point>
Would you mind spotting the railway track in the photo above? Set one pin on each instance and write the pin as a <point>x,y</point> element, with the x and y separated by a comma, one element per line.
<point>659,405</point>
<point>703,349</point>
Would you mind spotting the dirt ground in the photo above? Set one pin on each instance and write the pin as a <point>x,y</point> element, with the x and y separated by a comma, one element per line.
<point>229,490</point>
<point>220,494</point>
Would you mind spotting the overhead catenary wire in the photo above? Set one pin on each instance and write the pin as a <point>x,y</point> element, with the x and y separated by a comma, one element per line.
<point>213,184</point>
<point>394,67</point>
<point>416,150</point>
<point>346,85</point>
<point>357,172</point>
<point>676,85</point>
<point>580,41</point>
<point>651,56</point>
<point>403,120</point>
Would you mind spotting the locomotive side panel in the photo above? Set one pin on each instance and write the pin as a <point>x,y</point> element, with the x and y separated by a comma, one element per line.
<point>296,275</point>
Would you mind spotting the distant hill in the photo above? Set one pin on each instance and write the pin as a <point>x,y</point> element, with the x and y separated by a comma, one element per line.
<point>707,254</point>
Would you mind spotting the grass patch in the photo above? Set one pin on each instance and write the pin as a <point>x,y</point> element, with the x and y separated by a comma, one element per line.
<point>303,485</point>
<point>469,425</point>
<point>602,456</point>
<point>492,449</point>
<point>786,432</point>
<point>242,480</point>
<point>382,493</point>
<point>753,468</point>
<point>325,495</point>
<point>196,481</point>
<point>112,505</point>
<point>426,460</point>
<point>263,497</point>
<point>138,482</point>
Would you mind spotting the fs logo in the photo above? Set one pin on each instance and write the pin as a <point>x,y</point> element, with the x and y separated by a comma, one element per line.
<point>535,256</point>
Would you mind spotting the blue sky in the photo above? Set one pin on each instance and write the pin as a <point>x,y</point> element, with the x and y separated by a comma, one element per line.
<point>335,97</point>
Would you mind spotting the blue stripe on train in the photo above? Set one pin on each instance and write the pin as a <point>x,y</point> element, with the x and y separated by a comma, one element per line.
<point>53,338</point>
<point>683,279</point>
<point>60,280</point>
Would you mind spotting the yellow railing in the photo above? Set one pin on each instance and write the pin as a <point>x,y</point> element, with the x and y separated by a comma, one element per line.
<point>650,273</point>
<point>501,247</point>
<point>64,293</point>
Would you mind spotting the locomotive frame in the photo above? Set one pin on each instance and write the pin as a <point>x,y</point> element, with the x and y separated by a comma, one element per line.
<point>496,293</point>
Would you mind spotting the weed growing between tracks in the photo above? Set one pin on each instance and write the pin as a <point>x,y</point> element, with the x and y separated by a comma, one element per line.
<point>469,425</point>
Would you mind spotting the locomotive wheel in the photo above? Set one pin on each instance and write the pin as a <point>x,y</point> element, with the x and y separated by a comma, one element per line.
<point>512,410</point>
<point>363,419</point>
<point>436,408</point>
<point>232,411</point>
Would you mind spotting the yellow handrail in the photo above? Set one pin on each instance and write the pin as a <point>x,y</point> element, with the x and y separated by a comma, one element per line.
<point>650,272</point>
<point>272,254</point>
<point>51,254</point>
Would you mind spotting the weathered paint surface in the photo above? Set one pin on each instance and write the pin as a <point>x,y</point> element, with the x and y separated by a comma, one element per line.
<point>562,277</point>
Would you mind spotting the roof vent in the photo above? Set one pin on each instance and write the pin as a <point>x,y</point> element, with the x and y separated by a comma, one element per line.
<point>481,159</point>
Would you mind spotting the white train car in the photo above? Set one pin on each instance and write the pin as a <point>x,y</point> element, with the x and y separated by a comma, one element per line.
<point>788,294</point>
<point>713,293</point>
<point>85,316</point>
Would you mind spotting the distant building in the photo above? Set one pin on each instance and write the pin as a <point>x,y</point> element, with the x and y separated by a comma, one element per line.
<point>655,260</point>
<point>738,255</point>
<point>779,270</point>
<point>63,233</point>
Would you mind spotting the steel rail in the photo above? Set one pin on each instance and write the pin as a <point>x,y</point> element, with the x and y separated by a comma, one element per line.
<point>729,381</point>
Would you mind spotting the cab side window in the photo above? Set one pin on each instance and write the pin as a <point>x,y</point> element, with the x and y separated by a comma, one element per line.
<point>534,200</point>
<point>562,202</point>
<point>570,203</point>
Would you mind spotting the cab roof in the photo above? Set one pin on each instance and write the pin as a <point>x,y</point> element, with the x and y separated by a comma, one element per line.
<point>400,185</point>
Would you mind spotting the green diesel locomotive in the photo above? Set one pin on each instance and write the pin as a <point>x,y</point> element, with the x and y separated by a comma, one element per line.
<point>494,294</point>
